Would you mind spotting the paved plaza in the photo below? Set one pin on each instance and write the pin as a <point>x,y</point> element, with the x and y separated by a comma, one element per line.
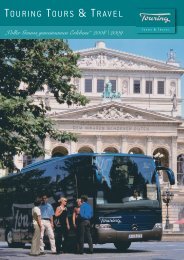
<point>138,251</point>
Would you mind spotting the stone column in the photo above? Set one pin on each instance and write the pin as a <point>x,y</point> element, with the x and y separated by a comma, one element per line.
<point>155,86</point>
<point>149,146</point>
<point>173,164</point>
<point>143,84</point>
<point>124,144</point>
<point>94,91</point>
<point>79,85</point>
<point>119,87</point>
<point>178,88</point>
<point>98,144</point>
<point>47,147</point>
<point>167,87</point>
<point>82,80</point>
<point>131,86</point>
<point>19,161</point>
<point>73,147</point>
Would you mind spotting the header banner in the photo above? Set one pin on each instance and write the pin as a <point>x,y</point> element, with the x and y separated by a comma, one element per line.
<point>91,19</point>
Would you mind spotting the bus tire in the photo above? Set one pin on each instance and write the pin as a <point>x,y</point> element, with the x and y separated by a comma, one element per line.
<point>9,240</point>
<point>122,246</point>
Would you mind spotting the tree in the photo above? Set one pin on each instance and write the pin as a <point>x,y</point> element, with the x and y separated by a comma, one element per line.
<point>23,123</point>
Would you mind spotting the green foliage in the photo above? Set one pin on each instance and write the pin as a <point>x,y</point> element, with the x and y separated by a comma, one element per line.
<point>24,124</point>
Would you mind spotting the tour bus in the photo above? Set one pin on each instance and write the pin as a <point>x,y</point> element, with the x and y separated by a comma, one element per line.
<point>123,189</point>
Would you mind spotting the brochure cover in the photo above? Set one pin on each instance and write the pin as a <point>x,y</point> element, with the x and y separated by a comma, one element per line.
<point>93,77</point>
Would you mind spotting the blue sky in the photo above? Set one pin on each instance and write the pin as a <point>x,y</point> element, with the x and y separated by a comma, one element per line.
<point>152,48</point>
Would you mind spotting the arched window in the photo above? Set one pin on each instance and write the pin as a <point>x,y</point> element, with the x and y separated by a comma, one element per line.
<point>161,156</point>
<point>136,150</point>
<point>180,169</point>
<point>110,150</point>
<point>85,149</point>
<point>59,151</point>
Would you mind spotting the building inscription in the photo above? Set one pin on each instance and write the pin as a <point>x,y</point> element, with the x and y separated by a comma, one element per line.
<point>111,127</point>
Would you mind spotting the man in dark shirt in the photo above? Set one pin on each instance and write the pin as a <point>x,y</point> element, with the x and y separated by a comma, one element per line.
<point>86,213</point>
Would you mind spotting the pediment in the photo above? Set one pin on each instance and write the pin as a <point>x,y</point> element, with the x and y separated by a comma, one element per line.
<point>111,59</point>
<point>112,111</point>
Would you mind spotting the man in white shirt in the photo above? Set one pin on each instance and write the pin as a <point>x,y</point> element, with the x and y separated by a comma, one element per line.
<point>36,213</point>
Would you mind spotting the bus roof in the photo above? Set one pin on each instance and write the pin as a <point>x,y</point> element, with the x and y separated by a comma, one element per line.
<point>54,159</point>
<point>40,163</point>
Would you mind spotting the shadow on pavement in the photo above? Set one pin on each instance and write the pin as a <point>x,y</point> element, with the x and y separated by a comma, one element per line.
<point>115,251</point>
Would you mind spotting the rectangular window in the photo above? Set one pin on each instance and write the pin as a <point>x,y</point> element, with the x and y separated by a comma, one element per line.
<point>137,86</point>
<point>160,87</point>
<point>100,85</point>
<point>148,87</point>
<point>88,85</point>
<point>113,82</point>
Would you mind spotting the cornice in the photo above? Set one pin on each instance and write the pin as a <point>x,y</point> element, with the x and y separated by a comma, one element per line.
<point>181,71</point>
<point>130,56</point>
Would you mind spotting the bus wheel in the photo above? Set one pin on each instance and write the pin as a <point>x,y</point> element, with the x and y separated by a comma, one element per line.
<point>9,240</point>
<point>122,246</point>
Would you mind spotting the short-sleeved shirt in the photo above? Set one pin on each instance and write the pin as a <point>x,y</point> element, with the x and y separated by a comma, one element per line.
<point>86,211</point>
<point>47,211</point>
<point>35,213</point>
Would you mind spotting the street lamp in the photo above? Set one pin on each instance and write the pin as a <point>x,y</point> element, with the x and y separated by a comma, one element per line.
<point>167,197</point>
<point>158,156</point>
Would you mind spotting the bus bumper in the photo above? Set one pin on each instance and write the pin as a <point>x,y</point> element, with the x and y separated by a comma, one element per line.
<point>111,235</point>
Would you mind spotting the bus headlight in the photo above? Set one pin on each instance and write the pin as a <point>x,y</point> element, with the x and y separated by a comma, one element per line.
<point>105,226</point>
<point>158,226</point>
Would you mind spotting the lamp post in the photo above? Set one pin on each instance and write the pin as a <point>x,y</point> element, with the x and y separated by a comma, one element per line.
<point>167,197</point>
<point>158,157</point>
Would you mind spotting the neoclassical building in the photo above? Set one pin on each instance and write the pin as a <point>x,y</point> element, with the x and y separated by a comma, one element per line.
<point>135,107</point>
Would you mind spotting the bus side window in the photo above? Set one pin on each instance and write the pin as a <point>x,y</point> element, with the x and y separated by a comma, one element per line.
<point>10,194</point>
<point>66,181</point>
<point>84,175</point>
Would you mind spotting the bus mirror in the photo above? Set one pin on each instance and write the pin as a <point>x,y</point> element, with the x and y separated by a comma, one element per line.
<point>169,172</point>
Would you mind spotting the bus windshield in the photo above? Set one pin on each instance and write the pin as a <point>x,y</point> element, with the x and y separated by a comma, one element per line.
<point>125,179</point>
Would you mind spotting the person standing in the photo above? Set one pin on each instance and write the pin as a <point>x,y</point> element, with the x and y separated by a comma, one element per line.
<point>36,214</point>
<point>47,214</point>
<point>76,221</point>
<point>86,213</point>
<point>61,226</point>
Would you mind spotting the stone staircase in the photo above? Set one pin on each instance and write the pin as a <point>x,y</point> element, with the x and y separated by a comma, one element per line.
<point>176,212</point>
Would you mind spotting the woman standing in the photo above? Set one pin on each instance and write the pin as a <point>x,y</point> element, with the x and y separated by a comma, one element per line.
<point>76,220</point>
<point>36,213</point>
<point>61,226</point>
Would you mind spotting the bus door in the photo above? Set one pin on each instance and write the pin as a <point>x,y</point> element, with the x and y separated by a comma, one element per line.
<point>66,183</point>
<point>84,177</point>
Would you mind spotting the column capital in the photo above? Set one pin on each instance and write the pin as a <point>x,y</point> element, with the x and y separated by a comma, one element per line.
<point>123,138</point>
<point>98,137</point>
<point>174,138</point>
<point>149,139</point>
